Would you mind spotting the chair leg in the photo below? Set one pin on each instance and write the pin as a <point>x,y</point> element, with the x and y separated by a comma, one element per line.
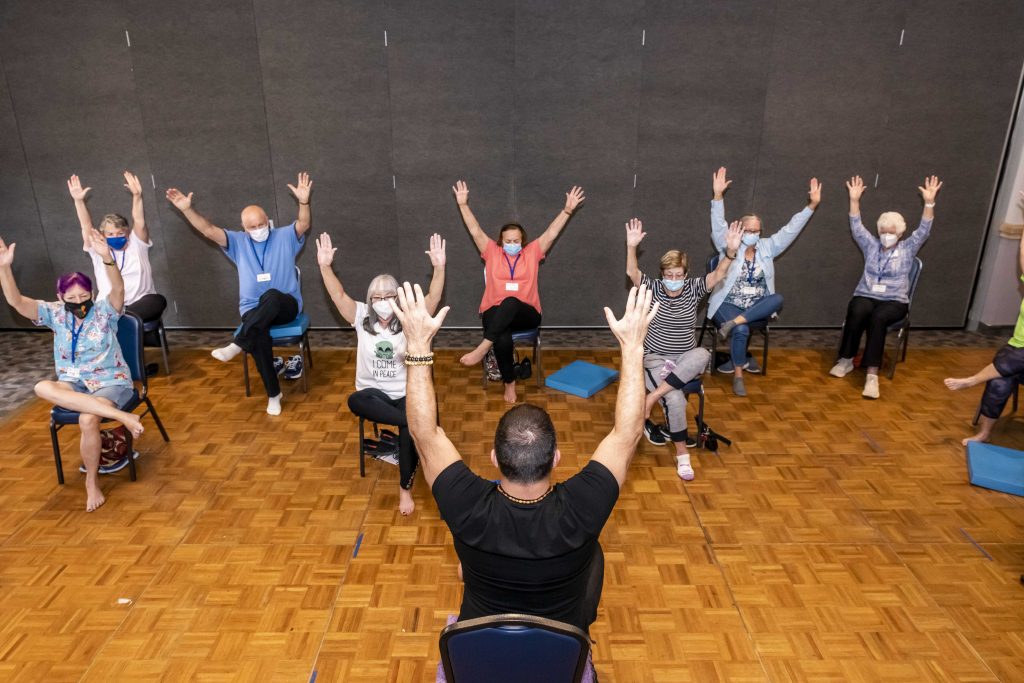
<point>895,355</point>
<point>362,450</point>
<point>132,474</point>
<point>906,342</point>
<point>56,453</point>
<point>156,418</point>
<point>1016,391</point>
<point>305,373</point>
<point>245,372</point>
<point>977,413</point>
<point>163,348</point>
<point>536,359</point>
<point>700,410</point>
<point>764,353</point>
<point>483,366</point>
<point>309,349</point>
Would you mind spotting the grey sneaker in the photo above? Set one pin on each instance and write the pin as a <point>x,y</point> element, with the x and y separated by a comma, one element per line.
<point>725,329</point>
<point>752,365</point>
<point>727,367</point>
<point>737,386</point>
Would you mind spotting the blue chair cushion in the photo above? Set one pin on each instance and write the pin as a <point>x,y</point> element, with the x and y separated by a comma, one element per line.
<point>63,416</point>
<point>581,378</point>
<point>996,467</point>
<point>295,328</point>
<point>693,386</point>
<point>526,335</point>
<point>152,325</point>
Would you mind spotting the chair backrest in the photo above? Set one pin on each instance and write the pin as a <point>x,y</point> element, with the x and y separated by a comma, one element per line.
<point>508,648</point>
<point>915,275</point>
<point>712,262</point>
<point>129,338</point>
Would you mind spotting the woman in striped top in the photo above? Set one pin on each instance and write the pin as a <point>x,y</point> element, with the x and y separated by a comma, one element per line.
<point>671,358</point>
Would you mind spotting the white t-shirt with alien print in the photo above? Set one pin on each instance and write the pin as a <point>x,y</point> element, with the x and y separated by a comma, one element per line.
<point>380,358</point>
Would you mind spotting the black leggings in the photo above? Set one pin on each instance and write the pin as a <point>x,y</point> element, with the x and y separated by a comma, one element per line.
<point>376,406</point>
<point>1009,361</point>
<point>511,315</point>
<point>875,316</point>
<point>149,308</point>
<point>274,308</point>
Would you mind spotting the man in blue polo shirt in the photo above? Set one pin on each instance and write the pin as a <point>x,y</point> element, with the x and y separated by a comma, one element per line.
<point>268,286</point>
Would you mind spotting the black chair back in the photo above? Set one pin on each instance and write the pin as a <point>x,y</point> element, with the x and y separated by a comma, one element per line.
<point>129,338</point>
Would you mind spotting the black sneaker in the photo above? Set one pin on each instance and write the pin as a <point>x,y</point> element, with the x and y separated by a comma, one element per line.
<point>293,368</point>
<point>278,364</point>
<point>653,433</point>
<point>690,442</point>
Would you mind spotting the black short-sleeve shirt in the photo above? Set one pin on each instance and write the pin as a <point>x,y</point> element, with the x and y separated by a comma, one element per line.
<point>529,558</point>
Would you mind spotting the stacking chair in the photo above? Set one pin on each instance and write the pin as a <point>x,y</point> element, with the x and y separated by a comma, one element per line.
<point>761,326</point>
<point>524,337</point>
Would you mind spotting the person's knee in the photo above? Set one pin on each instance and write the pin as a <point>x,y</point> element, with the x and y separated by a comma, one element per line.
<point>42,389</point>
<point>741,331</point>
<point>89,422</point>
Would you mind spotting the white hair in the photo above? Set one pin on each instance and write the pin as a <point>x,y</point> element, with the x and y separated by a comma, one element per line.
<point>892,219</point>
<point>381,284</point>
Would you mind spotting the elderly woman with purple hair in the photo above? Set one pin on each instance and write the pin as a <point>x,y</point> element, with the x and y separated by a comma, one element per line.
<point>92,376</point>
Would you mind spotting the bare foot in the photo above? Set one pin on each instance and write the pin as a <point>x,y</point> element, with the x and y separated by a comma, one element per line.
<point>510,393</point>
<point>956,383</point>
<point>405,502</point>
<point>94,498</point>
<point>476,355</point>
<point>134,425</point>
<point>980,437</point>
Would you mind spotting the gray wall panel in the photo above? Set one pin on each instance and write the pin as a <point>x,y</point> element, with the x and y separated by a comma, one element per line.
<point>197,72</point>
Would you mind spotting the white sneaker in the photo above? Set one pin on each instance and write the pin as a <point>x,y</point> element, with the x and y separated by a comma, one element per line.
<point>870,387</point>
<point>842,368</point>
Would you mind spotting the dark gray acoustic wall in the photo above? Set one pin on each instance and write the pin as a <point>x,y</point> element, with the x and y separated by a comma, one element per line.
<point>387,104</point>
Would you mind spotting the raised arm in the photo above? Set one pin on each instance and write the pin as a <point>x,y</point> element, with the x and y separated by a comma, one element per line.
<point>183,203</point>
<point>732,247</point>
<point>434,447</point>
<point>79,193</point>
<point>928,191</point>
<point>301,192</point>
<point>139,229</point>
<point>634,235</point>
<point>27,307</point>
<point>855,188</point>
<point>437,259</point>
<point>98,246</point>
<point>324,258</point>
<point>616,450</point>
<point>787,234</point>
<point>719,227</point>
<point>573,198</point>
<point>480,239</point>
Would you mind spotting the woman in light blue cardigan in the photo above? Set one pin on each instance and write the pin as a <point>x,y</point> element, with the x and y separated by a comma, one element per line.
<point>747,294</point>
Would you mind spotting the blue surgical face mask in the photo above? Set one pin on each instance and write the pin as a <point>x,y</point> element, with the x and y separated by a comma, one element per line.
<point>512,248</point>
<point>672,285</point>
<point>750,238</point>
<point>117,243</point>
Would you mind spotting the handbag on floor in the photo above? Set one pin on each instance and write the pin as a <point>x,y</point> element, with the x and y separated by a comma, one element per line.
<point>115,443</point>
<point>708,438</point>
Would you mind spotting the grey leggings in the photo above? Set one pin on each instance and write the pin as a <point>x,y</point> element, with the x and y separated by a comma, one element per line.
<point>688,366</point>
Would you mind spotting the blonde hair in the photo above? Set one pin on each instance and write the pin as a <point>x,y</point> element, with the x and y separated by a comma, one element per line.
<point>892,219</point>
<point>674,259</point>
<point>749,216</point>
<point>382,283</point>
<point>113,220</point>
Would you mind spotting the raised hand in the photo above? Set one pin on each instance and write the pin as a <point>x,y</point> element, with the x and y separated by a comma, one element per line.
<point>437,251</point>
<point>131,182</point>
<point>814,193</point>
<point>181,201</point>
<point>855,186</point>
<point>573,198</point>
<point>6,254</point>
<point>733,237</point>
<point>461,191</point>
<point>932,184</point>
<point>324,250</point>
<point>302,189</point>
<point>631,328</point>
<point>417,323</point>
<point>97,244</point>
<point>718,183</point>
<point>634,232</point>
<point>76,190</point>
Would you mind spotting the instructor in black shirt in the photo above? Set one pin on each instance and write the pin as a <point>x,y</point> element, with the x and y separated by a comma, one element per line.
<point>527,546</point>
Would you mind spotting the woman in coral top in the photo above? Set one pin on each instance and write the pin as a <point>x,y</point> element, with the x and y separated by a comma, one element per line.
<point>511,301</point>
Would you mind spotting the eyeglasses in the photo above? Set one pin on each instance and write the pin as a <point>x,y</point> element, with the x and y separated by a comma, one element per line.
<point>383,297</point>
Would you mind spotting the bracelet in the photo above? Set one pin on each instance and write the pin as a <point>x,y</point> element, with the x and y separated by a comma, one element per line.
<point>303,203</point>
<point>430,361</point>
<point>111,263</point>
<point>930,206</point>
<point>731,258</point>
<point>566,212</point>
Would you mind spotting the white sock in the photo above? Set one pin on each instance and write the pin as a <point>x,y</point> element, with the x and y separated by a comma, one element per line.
<point>274,405</point>
<point>226,353</point>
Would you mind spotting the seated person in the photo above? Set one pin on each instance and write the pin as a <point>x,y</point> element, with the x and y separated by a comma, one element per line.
<point>671,355</point>
<point>747,294</point>
<point>92,376</point>
<point>525,545</point>
<point>882,296</point>
<point>380,355</point>
<point>268,286</point>
<point>129,249</point>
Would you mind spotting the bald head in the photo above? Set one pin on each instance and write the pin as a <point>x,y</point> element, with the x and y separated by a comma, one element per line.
<point>254,217</point>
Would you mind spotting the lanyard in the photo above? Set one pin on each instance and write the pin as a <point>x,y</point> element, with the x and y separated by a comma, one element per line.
<point>512,266</point>
<point>752,266</point>
<point>124,257</point>
<point>259,259</point>
<point>883,266</point>
<point>74,336</point>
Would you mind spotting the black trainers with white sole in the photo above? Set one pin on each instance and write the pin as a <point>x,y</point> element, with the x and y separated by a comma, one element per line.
<point>293,368</point>
<point>653,433</point>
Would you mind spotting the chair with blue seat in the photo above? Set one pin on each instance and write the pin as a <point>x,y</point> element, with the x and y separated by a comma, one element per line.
<point>762,326</point>
<point>158,327</point>
<point>508,648</point>
<point>129,337</point>
<point>531,337</point>
<point>696,386</point>
<point>902,326</point>
<point>295,333</point>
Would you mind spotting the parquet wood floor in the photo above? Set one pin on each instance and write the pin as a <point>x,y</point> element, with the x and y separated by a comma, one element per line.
<point>836,540</point>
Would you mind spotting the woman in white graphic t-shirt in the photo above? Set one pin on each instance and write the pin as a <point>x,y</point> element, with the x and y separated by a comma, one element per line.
<point>380,356</point>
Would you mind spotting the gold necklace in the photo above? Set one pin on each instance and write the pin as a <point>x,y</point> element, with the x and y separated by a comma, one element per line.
<point>524,501</point>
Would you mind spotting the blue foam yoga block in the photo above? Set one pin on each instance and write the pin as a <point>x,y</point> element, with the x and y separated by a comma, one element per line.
<point>582,379</point>
<point>995,467</point>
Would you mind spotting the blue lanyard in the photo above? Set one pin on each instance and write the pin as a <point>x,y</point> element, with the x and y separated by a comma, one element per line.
<point>124,256</point>
<point>512,266</point>
<point>256,256</point>
<point>750,271</point>
<point>883,266</point>
<point>74,336</point>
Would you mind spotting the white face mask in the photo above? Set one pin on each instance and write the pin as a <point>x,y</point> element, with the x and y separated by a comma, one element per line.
<point>383,309</point>
<point>888,239</point>
<point>260,234</point>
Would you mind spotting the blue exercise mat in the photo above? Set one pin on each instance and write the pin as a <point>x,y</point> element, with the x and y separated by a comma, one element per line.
<point>995,467</point>
<point>582,379</point>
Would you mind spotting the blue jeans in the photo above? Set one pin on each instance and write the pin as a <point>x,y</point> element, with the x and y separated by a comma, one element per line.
<point>762,310</point>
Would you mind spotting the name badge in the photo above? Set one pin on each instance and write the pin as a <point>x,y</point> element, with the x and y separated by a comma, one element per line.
<point>72,372</point>
<point>748,291</point>
<point>262,277</point>
<point>878,289</point>
<point>511,286</point>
